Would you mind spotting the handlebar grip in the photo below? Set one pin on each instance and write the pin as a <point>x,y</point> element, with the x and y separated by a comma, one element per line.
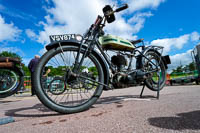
<point>121,8</point>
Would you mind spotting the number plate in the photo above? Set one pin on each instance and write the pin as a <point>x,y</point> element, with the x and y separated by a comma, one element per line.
<point>65,37</point>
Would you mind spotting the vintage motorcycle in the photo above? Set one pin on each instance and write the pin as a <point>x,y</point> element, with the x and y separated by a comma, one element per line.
<point>83,66</point>
<point>11,76</point>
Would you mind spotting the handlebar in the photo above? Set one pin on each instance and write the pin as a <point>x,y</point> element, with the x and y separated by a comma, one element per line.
<point>108,16</point>
<point>121,8</point>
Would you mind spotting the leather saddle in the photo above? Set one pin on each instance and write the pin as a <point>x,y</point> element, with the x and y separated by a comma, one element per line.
<point>9,61</point>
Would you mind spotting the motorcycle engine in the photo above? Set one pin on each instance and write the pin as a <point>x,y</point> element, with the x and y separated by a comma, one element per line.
<point>124,78</point>
<point>118,79</point>
<point>119,61</point>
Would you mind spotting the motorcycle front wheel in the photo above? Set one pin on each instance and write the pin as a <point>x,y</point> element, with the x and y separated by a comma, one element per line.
<point>63,90</point>
<point>155,79</point>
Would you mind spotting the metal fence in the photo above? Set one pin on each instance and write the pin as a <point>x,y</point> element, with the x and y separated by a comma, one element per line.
<point>27,84</point>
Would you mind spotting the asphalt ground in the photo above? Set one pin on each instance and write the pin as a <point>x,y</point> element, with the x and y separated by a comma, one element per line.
<point>117,111</point>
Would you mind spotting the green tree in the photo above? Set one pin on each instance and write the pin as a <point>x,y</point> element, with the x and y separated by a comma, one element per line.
<point>26,71</point>
<point>93,70</point>
<point>179,69</point>
<point>10,54</point>
<point>192,66</point>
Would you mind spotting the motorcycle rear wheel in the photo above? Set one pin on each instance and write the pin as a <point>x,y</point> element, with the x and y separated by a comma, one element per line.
<point>156,79</point>
<point>73,97</point>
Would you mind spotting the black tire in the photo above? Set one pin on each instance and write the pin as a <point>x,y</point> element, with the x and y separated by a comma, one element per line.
<point>197,82</point>
<point>10,81</point>
<point>152,80</point>
<point>61,103</point>
<point>171,82</point>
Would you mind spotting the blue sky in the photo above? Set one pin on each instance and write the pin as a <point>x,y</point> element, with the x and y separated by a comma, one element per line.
<point>174,24</point>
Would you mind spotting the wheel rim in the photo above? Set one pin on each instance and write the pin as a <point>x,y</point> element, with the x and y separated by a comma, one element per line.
<point>8,80</point>
<point>153,78</point>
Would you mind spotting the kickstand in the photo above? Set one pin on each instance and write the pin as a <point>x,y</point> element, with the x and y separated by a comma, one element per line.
<point>142,90</point>
<point>158,91</point>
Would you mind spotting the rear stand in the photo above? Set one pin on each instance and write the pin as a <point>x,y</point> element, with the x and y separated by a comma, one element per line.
<point>158,90</point>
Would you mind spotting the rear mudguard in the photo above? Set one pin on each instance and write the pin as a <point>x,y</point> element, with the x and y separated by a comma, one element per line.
<point>165,59</point>
<point>55,45</point>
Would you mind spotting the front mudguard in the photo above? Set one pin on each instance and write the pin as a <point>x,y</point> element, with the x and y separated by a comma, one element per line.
<point>62,43</point>
<point>165,58</point>
<point>103,63</point>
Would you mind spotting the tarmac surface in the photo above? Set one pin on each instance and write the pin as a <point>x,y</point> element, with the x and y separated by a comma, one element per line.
<point>117,111</point>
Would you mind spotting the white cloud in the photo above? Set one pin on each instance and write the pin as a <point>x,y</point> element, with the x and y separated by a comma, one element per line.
<point>169,43</point>
<point>138,21</point>
<point>195,36</point>
<point>12,49</point>
<point>120,28</point>
<point>76,16</point>
<point>126,29</point>
<point>177,43</point>
<point>135,5</point>
<point>31,34</point>
<point>43,36</point>
<point>70,17</point>
<point>8,32</point>
<point>180,59</point>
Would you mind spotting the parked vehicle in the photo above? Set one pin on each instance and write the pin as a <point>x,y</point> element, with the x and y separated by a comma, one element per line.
<point>196,58</point>
<point>188,76</point>
<point>184,77</point>
<point>11,76</point>
<point>70,55</point>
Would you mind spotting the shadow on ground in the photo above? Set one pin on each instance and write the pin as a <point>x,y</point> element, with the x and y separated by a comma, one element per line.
<point>116,99</point>
<point>183,121</point>
<point>29,111</point>
<point>39,110</point>
<point>8,101</point>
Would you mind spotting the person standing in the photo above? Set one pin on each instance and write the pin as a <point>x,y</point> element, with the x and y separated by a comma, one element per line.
<point>32,66</point>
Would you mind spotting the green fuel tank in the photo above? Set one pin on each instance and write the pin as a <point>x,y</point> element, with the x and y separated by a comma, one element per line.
<point>111,42</point>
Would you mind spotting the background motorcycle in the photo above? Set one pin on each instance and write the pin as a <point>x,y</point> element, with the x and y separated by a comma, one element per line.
<point>11,76</point>
<point>82,66</point>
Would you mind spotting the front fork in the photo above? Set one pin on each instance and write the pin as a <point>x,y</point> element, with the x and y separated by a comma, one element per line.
<point>78,60</point>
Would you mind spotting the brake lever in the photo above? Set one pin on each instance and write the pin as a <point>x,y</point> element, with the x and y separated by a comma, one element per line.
<point>125,6</point>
